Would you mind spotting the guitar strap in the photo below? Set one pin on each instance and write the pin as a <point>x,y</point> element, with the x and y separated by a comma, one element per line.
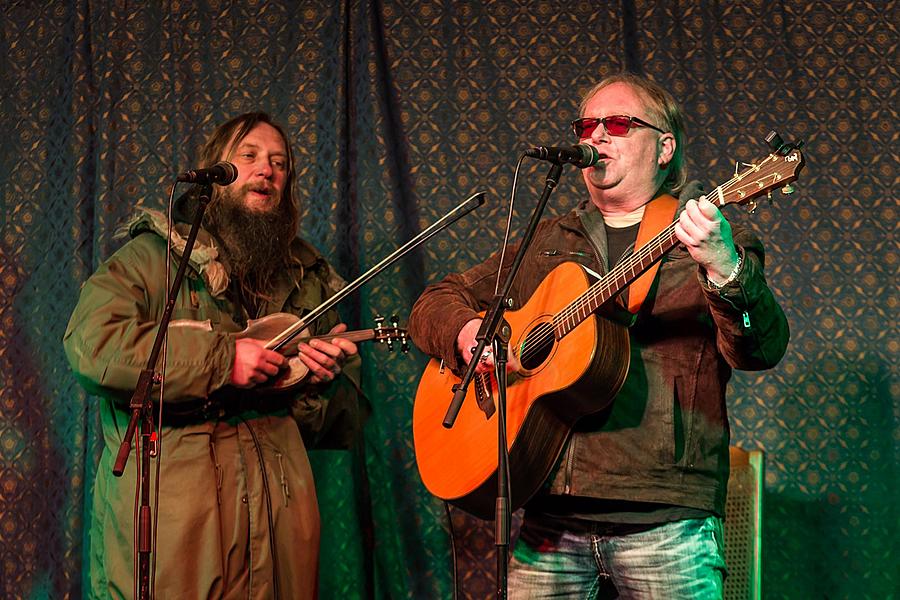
<point>659,214</point>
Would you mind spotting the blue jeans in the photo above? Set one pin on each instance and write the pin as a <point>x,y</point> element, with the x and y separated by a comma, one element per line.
<point>679,560</point>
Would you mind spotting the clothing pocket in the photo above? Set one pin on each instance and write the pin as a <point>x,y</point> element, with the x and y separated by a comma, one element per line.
<point>651,387</point>
<point>715,531</point>
<point>663,420</point>
<point>565,254</point>
<point>678,425</point>
<point>550,258</point>
<point>637,431</point>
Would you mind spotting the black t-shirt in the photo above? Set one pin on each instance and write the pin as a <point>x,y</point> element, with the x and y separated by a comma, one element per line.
<point>620,240</point>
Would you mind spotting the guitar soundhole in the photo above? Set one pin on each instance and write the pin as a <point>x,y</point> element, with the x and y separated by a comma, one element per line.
<point>537,347</point>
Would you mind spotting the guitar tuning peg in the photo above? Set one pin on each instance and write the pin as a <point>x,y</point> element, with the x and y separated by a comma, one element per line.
<point>779,146</point>
<point>395,321</point>
<point>774,141</point>
<point>379,322</point>
<point>752,206</point>
<point>788,190</point>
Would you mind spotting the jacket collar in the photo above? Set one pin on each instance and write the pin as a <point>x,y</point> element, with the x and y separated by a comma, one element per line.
<point>206,259</point>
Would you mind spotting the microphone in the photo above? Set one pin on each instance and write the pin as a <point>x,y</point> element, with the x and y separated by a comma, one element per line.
<point>222,173</point>
<point>580,155</point>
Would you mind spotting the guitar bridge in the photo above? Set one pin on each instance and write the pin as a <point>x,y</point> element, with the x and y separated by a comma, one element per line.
<point>484,394</point>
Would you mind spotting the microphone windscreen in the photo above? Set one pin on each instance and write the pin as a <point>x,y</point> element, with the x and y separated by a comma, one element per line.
<point>230,171</point>
<point>589,155</point>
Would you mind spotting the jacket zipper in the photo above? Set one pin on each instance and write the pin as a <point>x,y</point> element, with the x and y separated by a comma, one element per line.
<point>745,313</point>
<point>569,253</point>
<point>745,316</point>
<point>285,491</point>
<point>570,465</point>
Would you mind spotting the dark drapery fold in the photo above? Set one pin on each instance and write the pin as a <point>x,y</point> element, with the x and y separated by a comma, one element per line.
<point>397,112</point>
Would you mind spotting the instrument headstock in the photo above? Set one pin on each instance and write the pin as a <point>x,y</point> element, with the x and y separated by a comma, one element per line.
<point>777,171</point>
<point>387,335</point>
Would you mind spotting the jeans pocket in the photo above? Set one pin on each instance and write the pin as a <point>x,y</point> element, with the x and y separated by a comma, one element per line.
<point>715,530</point>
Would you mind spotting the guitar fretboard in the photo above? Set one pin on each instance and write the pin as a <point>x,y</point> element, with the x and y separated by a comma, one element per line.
<point>622,274</point>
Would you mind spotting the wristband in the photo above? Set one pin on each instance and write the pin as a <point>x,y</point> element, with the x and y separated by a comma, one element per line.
<point>731,276</point>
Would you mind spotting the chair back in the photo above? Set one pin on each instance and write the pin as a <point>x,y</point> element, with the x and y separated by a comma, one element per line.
<point>743,525</point>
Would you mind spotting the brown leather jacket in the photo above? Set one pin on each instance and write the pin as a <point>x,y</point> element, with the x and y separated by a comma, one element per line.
<point>665,436</point>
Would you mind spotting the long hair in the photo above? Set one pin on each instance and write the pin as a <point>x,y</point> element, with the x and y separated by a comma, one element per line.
<point>664,112</point>
<point>228,135</point>
<point>255,264</point>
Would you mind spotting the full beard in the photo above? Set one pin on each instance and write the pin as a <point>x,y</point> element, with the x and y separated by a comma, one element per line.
<point>256,244</point>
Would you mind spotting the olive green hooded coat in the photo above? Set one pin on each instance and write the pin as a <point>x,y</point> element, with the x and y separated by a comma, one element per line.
<point>237,513</point>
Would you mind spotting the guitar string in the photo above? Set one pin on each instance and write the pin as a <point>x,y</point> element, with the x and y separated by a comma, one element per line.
<point>648,249</point>
<point>544,334</point>
<point>570,312</point>
<point>568,318</point>
<point>653,247</point>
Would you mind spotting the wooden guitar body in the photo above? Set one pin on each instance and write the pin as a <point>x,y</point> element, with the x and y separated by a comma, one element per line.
<point>560,381</point>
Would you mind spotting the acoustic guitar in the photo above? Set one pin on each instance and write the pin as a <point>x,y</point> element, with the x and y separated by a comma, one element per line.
<point>572,364</point>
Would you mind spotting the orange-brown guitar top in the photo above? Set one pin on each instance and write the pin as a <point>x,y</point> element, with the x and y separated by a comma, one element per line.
<point>561,380</point>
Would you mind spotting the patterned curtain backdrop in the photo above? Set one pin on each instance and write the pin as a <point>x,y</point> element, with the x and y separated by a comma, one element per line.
<point>398,111</point>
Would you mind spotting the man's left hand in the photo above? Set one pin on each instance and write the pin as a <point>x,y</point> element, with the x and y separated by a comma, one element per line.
<point>325,357</point>
<point>707,236</point>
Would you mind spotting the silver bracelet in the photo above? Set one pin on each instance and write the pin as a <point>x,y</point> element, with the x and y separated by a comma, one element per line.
<point>731,276</point>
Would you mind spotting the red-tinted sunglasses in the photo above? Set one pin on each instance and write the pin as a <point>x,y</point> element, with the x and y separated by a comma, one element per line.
<point>617,125</point>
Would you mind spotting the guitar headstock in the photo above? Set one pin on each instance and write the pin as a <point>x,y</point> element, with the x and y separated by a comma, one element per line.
<point>776,171</point>
<point>387,335</point>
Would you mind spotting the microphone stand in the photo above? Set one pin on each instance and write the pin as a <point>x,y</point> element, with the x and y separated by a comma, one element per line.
<point>496,330</point>
<point>141,408</point>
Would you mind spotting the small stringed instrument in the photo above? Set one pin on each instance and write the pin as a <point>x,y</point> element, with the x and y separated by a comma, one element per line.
<point>275,327</point>
<point>573,363</point>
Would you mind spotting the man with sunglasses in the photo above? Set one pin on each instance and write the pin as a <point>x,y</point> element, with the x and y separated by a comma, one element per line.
<point>635,503</point>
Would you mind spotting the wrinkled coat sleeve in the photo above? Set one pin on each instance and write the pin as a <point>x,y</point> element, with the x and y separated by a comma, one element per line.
<point>752,330</point>
<point>111,331</point>
<point>445,307</point>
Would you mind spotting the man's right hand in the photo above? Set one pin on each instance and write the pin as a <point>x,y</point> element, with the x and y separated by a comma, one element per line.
<point>253,363</point>
<point>465,342</point>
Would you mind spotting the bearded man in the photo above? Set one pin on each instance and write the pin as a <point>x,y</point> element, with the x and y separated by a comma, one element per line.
<point>236,514</point>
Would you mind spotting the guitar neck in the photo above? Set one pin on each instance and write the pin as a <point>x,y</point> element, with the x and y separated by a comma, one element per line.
<point>775,171</point>
<point>613,282</point>
<point>360,335</point>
